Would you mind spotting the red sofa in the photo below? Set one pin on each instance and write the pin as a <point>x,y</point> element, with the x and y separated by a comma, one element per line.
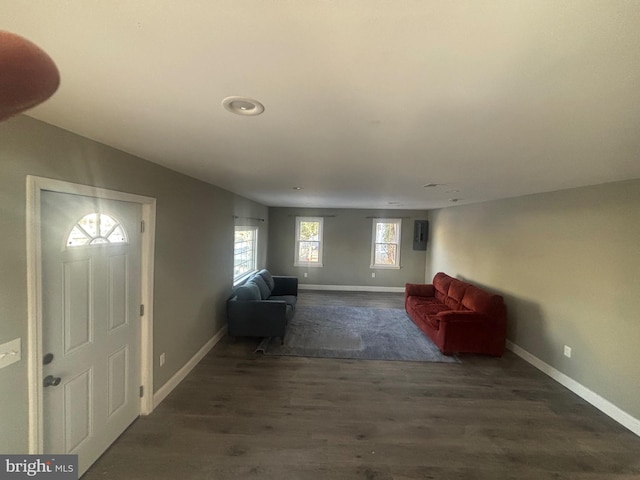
<point>458,316</point>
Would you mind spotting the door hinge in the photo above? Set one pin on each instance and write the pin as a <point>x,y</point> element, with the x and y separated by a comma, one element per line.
<point>142,310</point>
<point>141,391</point>
<point>142,226</point>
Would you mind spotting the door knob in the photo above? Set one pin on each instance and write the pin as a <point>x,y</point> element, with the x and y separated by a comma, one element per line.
<point>50,380</point>
<point>47,359</point>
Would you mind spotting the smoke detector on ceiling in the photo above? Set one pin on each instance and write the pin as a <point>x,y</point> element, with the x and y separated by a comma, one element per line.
<point>243,106</point>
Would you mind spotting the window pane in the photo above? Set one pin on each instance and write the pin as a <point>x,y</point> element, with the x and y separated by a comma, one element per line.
<point>99,241</point>
<point>385,254</point>
<point>117,236</point>
<point>106,224</point>
<point>90,224</point>
<point>308,252</point>
<point>77,238</point>
<point>244,251</point>
<point>386,232</point>
<point>96,229</point>
<point>309,231</point>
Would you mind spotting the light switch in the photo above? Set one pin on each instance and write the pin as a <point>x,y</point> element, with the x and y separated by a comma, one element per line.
<point>10,352</point>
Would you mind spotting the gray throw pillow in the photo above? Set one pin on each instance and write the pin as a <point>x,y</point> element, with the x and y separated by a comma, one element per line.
<point>247,292</point>
<point>265,291</point>
<point>268,279</point>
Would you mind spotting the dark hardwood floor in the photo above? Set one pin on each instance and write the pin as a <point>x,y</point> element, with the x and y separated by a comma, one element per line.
<point>239,415</point>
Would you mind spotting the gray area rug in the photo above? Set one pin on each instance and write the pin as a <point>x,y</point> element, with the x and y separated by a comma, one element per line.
<point>354,332</point>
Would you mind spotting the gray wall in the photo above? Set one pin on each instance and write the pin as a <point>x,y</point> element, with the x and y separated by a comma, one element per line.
<point>568,263</point>
<point>194,248</point>
<point>347,247</point>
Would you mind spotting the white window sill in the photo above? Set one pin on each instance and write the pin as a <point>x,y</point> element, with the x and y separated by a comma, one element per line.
<point>385,267</point>
<point>313,265</point>
<point>244,278</point>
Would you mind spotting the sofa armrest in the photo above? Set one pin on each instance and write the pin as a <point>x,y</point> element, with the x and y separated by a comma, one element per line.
<point>266,318</point>
<point>419,290</point>
<point>468,331</point>
<point>256,309</point>
<point>284,286</point>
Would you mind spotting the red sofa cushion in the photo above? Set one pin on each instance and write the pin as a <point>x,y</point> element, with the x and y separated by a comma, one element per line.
<point>456,293</point>
<point>481,301</point>
<point>441,283</point>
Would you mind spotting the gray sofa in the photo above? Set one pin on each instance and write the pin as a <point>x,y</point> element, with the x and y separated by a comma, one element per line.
<point>262,306</point>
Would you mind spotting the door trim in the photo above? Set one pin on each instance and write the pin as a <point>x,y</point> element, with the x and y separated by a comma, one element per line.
<point>35,185</point>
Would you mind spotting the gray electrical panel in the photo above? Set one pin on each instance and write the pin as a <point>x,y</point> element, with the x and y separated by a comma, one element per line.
<point>420,234</point>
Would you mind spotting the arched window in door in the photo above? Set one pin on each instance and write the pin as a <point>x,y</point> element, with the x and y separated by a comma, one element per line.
<point>96,229</point>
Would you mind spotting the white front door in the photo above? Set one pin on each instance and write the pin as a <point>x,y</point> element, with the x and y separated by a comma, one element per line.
<point>91,276</point>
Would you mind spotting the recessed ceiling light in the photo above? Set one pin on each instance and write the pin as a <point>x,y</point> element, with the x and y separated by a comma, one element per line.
<point>298,188</point>
<point>454,200</point>
<point>243,106</point>
<point>431,185</point>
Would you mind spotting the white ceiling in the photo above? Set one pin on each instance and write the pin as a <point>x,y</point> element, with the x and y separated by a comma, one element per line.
<point>366,100</point>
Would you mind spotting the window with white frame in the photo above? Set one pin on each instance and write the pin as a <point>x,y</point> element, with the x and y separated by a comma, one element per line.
<point>308,251</point>
<point>385,245</point>
<point>96,229</point>
<point>245,251</point>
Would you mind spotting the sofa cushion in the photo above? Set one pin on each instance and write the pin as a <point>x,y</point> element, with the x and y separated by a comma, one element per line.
<point>457,289</point>
<point>455,294</point>
<point>413,300</point>
<point>268,279</point>
<point>429,306</point>
<point>265,291</point>
<point>433,321</point>
<point>480,301</point>
<point>418,290</point>
<point>418,316</point>
<point>247,292</point>
<point>441,282</point>
<point>434,309</point>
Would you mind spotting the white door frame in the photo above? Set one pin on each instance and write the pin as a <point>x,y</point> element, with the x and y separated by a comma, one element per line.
<point>35,185</point>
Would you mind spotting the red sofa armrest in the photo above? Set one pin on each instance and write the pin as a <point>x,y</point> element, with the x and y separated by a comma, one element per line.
<point>468,331</point>
<point>419,290</point>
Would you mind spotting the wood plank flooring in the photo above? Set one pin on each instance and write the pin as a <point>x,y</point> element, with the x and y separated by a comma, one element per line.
<point>239,415</point>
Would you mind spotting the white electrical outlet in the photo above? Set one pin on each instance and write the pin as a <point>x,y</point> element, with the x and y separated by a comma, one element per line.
<point>567,351</point>
<point>162,359</point>
<point>305,274</point>
<point>373,274</point>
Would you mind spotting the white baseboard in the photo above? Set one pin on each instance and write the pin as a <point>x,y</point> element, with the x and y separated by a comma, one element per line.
<point>605,406</point>
<point>180,375</point>
<point>349,288</point>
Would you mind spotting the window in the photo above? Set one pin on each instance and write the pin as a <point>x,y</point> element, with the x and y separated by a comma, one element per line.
<point>96,229</point>
<point>308,242</point>
<point>385,248</point>
<point>245,251</point>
